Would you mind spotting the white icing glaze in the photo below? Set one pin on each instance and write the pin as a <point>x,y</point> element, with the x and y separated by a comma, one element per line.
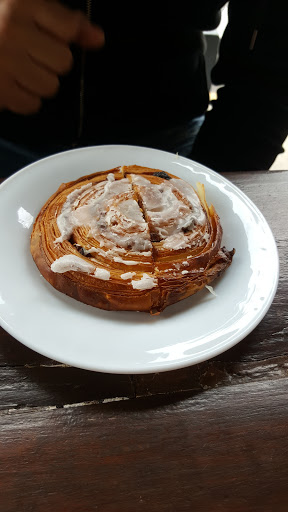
<point>71,262</point>
<point>117,259</point>
<point>63,220</point>
<point>145,283</point>
<point>211,290</point>
<point>179,241</point>
<point>126,227</point>
<point>127,275</point>
<point>171,207</point>
<point>108,209</point>
<point>189,193</point>
<point>102,273</point>
<point>110,212</point>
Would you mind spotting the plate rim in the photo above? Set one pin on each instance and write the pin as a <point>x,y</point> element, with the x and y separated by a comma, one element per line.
<point>172,365</point>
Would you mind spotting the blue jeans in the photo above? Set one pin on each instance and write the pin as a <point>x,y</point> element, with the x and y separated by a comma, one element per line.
<point>14,157</point>
<point>178,139</point>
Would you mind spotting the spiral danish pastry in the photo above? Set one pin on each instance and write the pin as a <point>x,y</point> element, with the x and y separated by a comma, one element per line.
<point>131,238</point>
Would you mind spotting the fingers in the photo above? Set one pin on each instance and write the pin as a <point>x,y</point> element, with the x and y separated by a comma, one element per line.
<point>37,80</point>
<point>49,52</point>
<point>23,90</point>
<point>43,48</point>
<point>35,38</point>
<point>89,36</point>
<point>68,25</point>
<point>19,101</point>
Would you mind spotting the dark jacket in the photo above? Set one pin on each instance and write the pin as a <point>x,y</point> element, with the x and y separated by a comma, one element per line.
<point>248,123</point>
<point>151,73</point>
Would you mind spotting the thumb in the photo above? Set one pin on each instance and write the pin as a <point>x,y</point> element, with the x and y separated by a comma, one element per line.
<point>89,35</point>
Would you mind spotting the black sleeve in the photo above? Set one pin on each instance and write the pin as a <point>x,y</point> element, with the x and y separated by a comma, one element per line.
<point>248,123</point>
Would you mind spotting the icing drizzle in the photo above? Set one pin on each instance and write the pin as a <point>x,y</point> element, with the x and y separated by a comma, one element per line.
<point>109,209</point>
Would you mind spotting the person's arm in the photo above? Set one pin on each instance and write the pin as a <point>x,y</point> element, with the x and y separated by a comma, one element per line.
<point>34,50</point>
<point>248,123</point>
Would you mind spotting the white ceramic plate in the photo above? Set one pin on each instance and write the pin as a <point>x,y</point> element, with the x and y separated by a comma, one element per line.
<point>186,333</point>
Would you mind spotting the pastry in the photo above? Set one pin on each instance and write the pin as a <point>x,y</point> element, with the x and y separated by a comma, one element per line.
<point>130,238</point>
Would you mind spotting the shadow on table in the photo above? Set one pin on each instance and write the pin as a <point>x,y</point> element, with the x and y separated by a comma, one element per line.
<point>31,380</point>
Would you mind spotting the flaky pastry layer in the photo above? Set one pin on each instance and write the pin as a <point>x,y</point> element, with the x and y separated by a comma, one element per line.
<point>130,238</point>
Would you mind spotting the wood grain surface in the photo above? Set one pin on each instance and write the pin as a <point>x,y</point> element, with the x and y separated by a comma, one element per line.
<point>211,437</point>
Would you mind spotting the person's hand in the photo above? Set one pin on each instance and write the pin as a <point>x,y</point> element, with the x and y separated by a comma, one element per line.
<point>35,38</point>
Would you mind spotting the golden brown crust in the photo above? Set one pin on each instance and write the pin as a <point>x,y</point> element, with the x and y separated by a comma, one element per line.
<point>172,273</point>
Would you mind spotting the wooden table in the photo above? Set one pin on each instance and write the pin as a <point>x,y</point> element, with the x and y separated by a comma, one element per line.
<point>211,437</point>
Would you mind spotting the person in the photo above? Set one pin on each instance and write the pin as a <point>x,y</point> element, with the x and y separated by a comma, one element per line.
<point>76,73</point>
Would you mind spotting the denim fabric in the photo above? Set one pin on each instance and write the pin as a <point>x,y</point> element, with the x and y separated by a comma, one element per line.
<point>14,157</point>
<point>179,139</point>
